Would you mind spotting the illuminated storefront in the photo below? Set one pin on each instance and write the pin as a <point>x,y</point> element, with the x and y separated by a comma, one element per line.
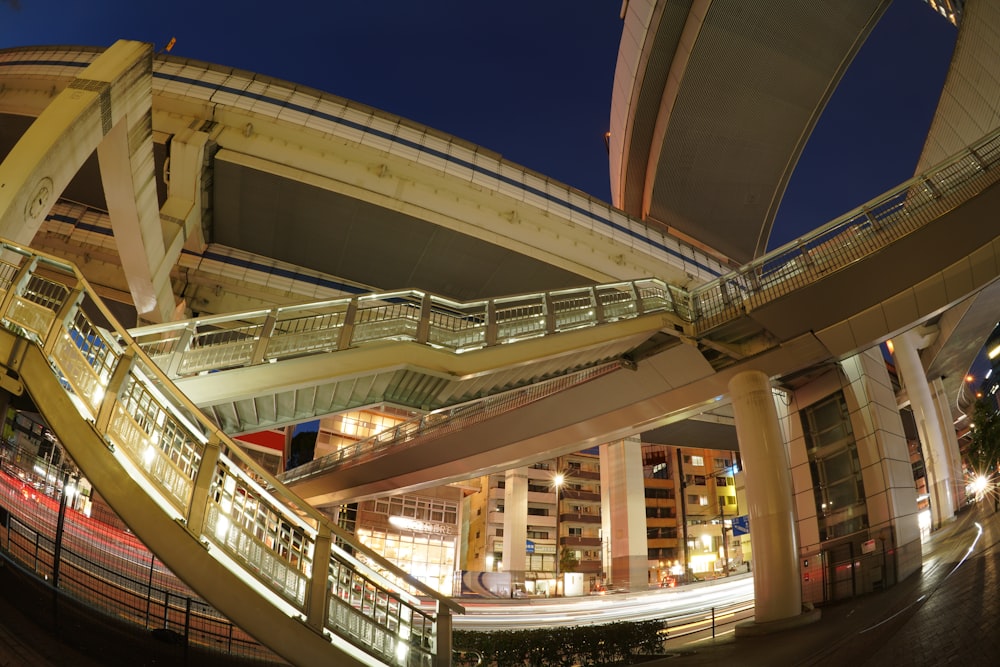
<point>417,533</point>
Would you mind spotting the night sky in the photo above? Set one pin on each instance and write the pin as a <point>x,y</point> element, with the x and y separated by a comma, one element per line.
<point>530,80</point>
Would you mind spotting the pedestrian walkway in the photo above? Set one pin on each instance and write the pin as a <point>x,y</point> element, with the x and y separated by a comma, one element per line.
<point>945,614</point>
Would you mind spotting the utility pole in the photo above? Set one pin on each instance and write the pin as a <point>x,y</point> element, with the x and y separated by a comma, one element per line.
<point>725,542</point>
<point>683,504</point>
<point>558,482</point>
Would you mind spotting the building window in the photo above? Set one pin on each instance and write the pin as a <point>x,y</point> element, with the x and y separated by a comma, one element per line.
<point>838,489</point>
<point>697,461</point>
<point>576,532</point>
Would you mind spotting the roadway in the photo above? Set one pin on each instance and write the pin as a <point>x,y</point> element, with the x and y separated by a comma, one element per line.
<point>678,605</point>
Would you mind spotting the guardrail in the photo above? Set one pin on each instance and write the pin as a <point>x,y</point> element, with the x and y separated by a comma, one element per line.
<point>107,569</point>
<point>708,620</point>
<point>849,238</point>
<point>289,551</point>
<point>792,266</point>
<point>262,336</point>
<point>440,422</point>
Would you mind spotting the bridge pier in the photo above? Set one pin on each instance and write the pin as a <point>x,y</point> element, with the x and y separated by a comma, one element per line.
<point>925,414</point>
<point>623,514</point>
<point>515,525</point>
<point>773,525</point>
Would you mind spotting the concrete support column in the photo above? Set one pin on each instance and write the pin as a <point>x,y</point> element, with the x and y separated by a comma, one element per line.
<point>925,414</point>
<point>182,212</point>
<point>515,524</point>
<point>950,437</point>
<point>773,530</point>
<point>63,136</point>
<point>128,175</point>
<point>623,510</point>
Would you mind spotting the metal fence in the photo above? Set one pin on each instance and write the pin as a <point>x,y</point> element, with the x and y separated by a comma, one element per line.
<point>100,564</point>
<point>848,238</point>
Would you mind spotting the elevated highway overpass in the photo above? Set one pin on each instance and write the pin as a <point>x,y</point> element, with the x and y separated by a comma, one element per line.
<point>675,350</point>
<point>226,145</point>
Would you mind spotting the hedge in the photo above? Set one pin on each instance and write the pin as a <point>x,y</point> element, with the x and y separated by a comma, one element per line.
<point>608,644</point>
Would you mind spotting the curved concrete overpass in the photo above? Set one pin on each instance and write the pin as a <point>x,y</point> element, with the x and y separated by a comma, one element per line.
<point>714,102</point>
<point>289,175</point>
<point>829,314</point>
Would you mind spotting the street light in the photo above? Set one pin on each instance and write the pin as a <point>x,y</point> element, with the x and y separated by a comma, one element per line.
<point>557,482</point>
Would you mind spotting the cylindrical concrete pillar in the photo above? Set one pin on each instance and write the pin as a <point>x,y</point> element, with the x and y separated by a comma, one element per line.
<point>773,530</point>
<point>911,371</point>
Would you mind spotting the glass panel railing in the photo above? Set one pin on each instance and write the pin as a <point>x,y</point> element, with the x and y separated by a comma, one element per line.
<point>257,337</point>
<point>197,476</point>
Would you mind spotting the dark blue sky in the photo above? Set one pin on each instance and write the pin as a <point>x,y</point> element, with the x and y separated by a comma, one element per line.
<point>530,80</point>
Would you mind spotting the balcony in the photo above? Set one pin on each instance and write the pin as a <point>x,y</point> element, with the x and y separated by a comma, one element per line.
<point>572,494</point>
<point>589,567</point>
<point>542,497</point>
<point>579,517</point>
<point>661,522</point>
<point>578,541</point>
<point>663,543</point>
<point>540,520</point>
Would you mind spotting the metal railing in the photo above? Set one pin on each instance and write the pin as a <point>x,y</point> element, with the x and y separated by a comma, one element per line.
<point>106,568</point>
<point>198,477</point>
<point>256,337</point>
<point>701,622</point>
<point>794,265</point>
<point>261,336</point>
<point>440,422</point>
<point>849,238</point>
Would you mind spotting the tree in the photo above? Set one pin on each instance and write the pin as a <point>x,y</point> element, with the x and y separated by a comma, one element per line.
<point>984,452</point>
<point>568,562</point>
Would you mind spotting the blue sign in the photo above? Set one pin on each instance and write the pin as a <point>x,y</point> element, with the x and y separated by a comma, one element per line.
<point>741,525</point>
<point>529,547</point>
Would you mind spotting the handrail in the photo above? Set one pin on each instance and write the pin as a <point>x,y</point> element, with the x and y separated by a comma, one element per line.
<point>440,422</point>
<point>291,552</point>
<point>257,337</point>
<point>850,237</point>
<point>260,336</point>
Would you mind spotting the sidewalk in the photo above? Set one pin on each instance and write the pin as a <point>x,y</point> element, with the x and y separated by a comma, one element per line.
<point>947,613</point>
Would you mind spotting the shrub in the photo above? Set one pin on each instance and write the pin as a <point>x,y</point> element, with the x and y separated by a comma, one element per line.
<point>612,643</point>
